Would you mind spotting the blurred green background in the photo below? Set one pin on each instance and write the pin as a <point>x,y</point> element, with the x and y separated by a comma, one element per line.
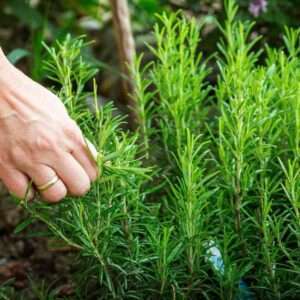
<point>24,24</point>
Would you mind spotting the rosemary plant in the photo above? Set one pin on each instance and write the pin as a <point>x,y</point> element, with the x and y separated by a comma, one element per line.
<point>203,201</point>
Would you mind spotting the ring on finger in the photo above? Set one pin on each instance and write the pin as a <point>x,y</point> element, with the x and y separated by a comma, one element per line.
<point>48,185</point>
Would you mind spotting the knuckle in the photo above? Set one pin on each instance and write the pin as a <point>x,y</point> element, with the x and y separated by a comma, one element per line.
<point>68,128</point>
<point>38,138</point>
<point>44,142</point>
<point>17,154</point>
<point>4,158</point>
<point>72,131</point>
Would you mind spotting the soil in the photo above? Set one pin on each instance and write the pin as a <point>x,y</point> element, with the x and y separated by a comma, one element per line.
<point>25,258</point>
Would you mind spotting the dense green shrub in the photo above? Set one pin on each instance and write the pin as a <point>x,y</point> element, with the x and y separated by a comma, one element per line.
<point>212,170</point>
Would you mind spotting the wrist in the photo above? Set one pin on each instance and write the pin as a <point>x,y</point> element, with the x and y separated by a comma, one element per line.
<point>5,90</point>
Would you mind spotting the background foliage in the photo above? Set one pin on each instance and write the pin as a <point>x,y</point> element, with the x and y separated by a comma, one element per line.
<point>25,23</point>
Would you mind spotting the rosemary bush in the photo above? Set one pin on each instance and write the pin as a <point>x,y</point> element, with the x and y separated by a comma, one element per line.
<point>203,201</point>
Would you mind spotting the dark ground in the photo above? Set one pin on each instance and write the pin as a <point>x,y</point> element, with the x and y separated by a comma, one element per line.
<point>24,257</point>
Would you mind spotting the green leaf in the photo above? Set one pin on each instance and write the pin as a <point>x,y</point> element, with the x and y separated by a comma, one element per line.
<point>17,54</point>
<point>20,227</point>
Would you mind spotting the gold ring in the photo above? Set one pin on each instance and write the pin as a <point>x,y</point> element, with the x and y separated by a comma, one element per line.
<point>48,185</point>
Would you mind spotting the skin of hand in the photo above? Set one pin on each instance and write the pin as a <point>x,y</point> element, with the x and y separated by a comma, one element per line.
<point>39,140</point>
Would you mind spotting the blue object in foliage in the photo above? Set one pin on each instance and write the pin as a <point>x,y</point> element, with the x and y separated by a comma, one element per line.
<point>244,292</point>
<point>215,258</point>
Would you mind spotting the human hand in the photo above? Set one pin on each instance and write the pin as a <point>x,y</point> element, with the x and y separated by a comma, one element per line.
<point>39,141</point>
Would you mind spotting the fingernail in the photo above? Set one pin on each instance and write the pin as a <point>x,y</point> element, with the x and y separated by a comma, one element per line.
<point>92,149</point>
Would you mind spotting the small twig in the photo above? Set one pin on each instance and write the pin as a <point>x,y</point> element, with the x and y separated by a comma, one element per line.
<point>126,50</point>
